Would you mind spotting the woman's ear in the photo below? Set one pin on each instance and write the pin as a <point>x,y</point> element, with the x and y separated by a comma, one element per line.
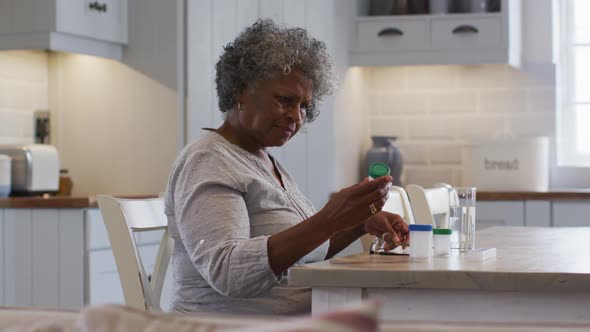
<point>241,97</point>
<point>239,103</point>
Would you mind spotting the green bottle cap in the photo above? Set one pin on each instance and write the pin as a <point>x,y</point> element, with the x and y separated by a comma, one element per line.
<point>442,231</point>
<point>378,169</point>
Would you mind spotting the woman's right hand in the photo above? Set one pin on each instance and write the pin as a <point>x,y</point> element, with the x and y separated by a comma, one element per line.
<point>351,206</point>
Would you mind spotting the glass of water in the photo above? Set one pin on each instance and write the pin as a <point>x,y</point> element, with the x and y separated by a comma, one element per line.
<point>462,218</point>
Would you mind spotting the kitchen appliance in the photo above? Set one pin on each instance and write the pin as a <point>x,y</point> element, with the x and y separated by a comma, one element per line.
<point>35,169</point>
<point>5,175</point>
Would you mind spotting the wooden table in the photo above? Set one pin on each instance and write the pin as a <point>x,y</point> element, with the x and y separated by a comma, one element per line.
<point>538,275</point>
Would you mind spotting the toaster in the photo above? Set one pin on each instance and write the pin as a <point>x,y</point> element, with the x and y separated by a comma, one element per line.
<point>35,169</point>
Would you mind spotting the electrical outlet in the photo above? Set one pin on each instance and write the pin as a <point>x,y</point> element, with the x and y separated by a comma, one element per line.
<point>42,127</point>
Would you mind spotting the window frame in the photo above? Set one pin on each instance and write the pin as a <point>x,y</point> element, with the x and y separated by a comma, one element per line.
<point>567,154</point>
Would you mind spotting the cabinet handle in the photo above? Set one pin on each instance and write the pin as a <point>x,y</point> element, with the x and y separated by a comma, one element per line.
<point>98,7</point>
<point>390,32</point>
<point>465,29</point>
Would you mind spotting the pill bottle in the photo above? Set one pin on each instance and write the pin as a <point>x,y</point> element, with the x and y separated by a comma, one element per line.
<point>378,169</point>
<point>420,241</point>
<point>442,241</point>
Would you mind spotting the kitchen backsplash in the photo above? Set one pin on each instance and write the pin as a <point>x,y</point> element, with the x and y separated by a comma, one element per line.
<point>23,90</point>
<point>434,110</point>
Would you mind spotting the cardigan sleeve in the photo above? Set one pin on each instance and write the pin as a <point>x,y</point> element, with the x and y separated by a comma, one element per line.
<point>214,227</point>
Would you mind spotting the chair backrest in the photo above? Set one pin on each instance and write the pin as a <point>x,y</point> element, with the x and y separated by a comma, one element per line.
<point>397,203</point>
<point>430,203</point>
<point>123,218</point>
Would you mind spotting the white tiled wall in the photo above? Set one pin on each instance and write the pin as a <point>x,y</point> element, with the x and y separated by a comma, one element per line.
<point>23,89</point>
<point>23,79</point>
<point>433,110</point>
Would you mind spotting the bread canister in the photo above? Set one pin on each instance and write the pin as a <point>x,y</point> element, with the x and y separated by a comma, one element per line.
<point>5,175</point>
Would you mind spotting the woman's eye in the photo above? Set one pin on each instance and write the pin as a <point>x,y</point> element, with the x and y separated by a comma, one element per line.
<point>284,100</point>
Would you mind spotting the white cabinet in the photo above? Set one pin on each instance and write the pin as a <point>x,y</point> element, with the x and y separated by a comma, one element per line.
<point>95,27</point>
<point>499,213</point>
<point>381,35</point>
<point>466,33</point>
<point>537,213</point>
<point>568,214</point>
<point>42,257</point>
<point>97,19</point>
<point>62,258</point>
<point>476,38</point>
<point>102,281</point>
<point>533,213</point>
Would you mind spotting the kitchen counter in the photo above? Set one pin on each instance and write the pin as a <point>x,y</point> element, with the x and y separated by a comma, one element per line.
<point>539,274</point>
<point>555,194</point>
<point>55,202</point>
<point>80,202</point>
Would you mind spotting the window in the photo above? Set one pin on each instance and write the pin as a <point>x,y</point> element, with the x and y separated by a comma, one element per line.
<point>573,77</point>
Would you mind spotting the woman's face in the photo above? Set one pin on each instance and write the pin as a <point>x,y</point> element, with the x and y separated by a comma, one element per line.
<point>275,109</point>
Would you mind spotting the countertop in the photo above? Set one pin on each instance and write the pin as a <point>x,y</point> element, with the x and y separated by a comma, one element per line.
<point>527,259</point>
<point>55,202</point>
<point>80,202</point>
<point>554,194</point>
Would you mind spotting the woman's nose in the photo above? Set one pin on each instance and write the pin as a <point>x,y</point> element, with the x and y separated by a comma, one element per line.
<point>295,114</point>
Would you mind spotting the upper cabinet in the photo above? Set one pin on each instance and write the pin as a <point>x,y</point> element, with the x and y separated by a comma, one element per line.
<point>94,27</point>
<point>450,38</point>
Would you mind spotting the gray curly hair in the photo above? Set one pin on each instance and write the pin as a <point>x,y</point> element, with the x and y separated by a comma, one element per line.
<point>265,48</point>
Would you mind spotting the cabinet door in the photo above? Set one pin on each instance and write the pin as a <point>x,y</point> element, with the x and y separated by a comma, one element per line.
<point>470,34</point>
<point>148,254</point>
<point>499,213</point>
<point>96,232</point>
<point>149,237</point>
<point>537,213</point>
<point>571,214</point>
<point>103,278</point>
<point>98,19</point>
<point>396,35</point>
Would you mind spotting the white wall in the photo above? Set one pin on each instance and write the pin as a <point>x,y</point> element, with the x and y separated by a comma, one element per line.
<point>23,89</point>
<point>435,109</point>
<point>115,128</point>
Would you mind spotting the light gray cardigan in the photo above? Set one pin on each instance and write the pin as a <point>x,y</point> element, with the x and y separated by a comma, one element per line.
<point>222,205</point>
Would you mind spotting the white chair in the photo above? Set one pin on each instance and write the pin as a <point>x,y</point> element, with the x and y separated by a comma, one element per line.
<point>430,205</point>
<point>397,203</point>
<point>122,218</point>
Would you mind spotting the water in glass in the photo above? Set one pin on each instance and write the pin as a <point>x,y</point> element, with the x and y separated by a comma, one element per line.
<point>462,222</point>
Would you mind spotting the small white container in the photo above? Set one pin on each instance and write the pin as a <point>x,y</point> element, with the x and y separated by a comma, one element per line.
<point>420,241</point>
<point>442,241</point>
<point>5,175</point>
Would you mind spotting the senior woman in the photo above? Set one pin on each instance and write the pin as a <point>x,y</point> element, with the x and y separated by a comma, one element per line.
<point>236,215</point>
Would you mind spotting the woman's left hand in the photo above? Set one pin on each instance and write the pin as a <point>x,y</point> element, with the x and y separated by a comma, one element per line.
<point>384,222</point>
